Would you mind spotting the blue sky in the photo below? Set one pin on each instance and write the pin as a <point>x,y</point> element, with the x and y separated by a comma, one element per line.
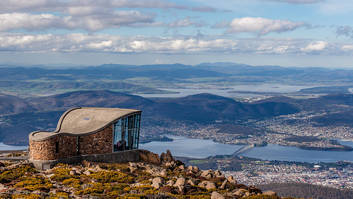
<point>257,32</point>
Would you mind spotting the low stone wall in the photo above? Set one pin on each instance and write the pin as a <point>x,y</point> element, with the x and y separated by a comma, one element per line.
<point>116,157</point>
<point>65,146</point>
<point>46,149</point>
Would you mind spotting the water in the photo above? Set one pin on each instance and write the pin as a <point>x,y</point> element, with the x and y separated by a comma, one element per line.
<point>193,148</point>
<point>4,147</point>
<point>197,148</point>
<point>285,153</point>
<point>227,92</point>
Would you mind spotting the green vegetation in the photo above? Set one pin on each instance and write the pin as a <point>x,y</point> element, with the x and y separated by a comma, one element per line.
<point>16,173</point>
<point>34,183</point>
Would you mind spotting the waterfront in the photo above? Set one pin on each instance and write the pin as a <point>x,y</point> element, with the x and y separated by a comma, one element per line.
<point>198,148</point>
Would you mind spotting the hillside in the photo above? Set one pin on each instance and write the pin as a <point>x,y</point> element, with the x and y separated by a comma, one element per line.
<point>11,104</point>
<point>43,112</point>
<point>155,79</point>
<point>154,177</point>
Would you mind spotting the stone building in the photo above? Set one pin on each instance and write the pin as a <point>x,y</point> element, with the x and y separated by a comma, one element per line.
<point>107,134</point>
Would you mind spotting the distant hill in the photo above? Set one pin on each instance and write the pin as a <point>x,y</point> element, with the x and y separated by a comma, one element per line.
<point>21,116</point>
<point>109,71</point>
<point>102,98</point>
<point>12,104</point>
<point>43,112</point>
<point>207,108</point>
<point>326,102</point>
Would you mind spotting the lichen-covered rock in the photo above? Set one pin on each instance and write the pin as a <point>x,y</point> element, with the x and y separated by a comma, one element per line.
<point>240,192</point>
<point>180,182</point>
<point>149,157</point>
<point>269,193</point>
<point>166,157</point>
<point>121,180</point>
<point>223,186</point>
<point>207,185</point>
<point>157,182</point>
<point>216,195</point>
<point>207,174</point>
<point>231,180</point>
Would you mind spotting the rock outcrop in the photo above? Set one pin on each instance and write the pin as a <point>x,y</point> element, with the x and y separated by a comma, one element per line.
<point>154,177</point>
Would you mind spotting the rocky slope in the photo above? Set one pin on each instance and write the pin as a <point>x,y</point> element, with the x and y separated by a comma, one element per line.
<point>155,177</point>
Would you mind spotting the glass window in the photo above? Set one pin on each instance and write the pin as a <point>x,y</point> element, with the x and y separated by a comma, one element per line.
<point>126,133</point>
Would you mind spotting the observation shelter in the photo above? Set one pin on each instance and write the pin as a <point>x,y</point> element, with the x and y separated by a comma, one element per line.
<point>92,134</point>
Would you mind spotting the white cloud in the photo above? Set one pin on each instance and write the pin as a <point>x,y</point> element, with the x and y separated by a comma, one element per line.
<point>89,6</point>
<point>315,46</point>
<point>100,45</point>
<point>347,47</point>
<point>15,21</point>
<point>186,22</point>
<point>27,21</point>
<point>109,43</point>
<point>105,43</point>
<point>262,26</point>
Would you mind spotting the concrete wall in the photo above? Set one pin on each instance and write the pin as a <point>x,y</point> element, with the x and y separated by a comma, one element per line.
<point>97,143</point>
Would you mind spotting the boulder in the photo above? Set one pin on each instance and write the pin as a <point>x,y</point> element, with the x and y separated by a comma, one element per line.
<point>157,182</point>
<point>87,172</point>
<point>170,183</point>
<point>2,187</point>
<point>240,192</point>
<point>195,169</point>
<point>181,189</point>
<point>163,173</point>
<point>269,193</point>
<point>170,165</point>
<point>191,182</point>
<point>207,185</point>
<point>231,180</point>
<point>223,186</point>
<point>166,157</point>
<point>207,174</point>
<point>72,172</point>
<point>216,195</point>
<point>149,157</point>
<point>179,182</point>
<point>182,167</point>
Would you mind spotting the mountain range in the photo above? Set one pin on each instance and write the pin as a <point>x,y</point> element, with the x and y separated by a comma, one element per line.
<point>25,115</point>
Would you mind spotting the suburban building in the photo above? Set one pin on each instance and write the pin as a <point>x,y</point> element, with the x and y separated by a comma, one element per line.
<point>107,134</point>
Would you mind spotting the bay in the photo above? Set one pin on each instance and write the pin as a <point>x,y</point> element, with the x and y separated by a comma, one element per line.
<point>198,148</point>
<point>193,148</point>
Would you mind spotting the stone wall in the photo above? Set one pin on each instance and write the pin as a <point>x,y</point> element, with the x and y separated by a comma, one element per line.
<point>96,143</point>
<point>46,149</point>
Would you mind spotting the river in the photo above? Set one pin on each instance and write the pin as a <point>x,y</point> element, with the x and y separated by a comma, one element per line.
<point>198,148</point>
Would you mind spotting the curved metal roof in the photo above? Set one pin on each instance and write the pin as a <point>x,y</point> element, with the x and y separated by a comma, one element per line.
<point>82,121</point>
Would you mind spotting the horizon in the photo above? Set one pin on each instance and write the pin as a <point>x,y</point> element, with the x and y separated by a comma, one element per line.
<point>300,33</point>
<point>76,66</point>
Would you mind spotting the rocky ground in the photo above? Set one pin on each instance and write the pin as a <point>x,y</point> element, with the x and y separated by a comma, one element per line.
<point>155,178</point>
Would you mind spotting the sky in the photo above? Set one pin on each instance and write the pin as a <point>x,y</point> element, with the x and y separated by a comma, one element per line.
<point>256,32</point>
